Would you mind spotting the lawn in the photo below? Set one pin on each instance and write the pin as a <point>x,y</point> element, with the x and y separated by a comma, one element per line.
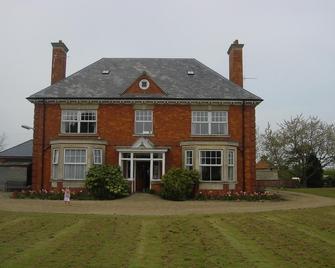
<point>326,191</point>
<point>293,238</point>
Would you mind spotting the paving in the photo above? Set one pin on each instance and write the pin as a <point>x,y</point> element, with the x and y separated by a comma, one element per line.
<point>146,204</point>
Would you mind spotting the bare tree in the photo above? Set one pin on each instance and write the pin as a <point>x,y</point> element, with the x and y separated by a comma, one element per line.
<point>2,141</point>
<point>295,140</point>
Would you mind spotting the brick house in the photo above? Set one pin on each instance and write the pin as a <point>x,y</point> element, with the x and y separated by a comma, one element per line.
<point>147,115</point>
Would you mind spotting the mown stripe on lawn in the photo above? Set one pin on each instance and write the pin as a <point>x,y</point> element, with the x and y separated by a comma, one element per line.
<point>32,229</point>
<point>255,254</point>
<point>149,245</point>
<point>289,244</point>
<point>181,246</point>
<point>306,229</point>
<point>118,244</point>
<point>36,255</point>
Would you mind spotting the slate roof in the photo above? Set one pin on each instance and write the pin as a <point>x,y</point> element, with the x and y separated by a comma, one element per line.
<point>170,74</point>
<point>23,150</point>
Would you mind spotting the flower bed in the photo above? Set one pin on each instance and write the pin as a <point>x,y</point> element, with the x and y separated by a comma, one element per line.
<point>237,196</point>
<point>51,195</point>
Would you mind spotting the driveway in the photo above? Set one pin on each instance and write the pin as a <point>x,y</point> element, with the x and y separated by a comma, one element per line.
<point>146,204</point>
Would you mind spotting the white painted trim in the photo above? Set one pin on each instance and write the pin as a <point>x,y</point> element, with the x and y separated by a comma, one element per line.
<point>163,165</point>
<point>144,101</point>
<point>132,150</point>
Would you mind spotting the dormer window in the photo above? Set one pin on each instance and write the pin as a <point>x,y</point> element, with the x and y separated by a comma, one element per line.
<point>144,84</point>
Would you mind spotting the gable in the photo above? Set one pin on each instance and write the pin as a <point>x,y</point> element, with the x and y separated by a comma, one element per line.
<point>135,88</point>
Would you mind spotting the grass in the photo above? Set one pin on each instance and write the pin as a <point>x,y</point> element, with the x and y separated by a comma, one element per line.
<point>294,238</point>
<point>326,191</point>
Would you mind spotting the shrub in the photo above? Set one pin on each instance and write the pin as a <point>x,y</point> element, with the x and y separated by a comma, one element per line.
<point>179,184</point>
<point>106,182</point>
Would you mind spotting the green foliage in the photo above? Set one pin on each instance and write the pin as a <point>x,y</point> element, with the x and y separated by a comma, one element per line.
<point>294,141</point>
<point>313,172</point>
<point>106,182</point>
<point>329,178</point>
<point>179,184</point>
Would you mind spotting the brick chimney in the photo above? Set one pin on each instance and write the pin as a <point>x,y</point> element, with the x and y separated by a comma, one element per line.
<point>58,70</point>
<point>235,63</point>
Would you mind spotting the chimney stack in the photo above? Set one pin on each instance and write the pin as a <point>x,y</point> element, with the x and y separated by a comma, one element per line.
<point>58,70</point>
<point>235,63</point>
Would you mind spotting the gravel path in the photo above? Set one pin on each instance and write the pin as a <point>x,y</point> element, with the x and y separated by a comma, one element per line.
<point>145,204</point>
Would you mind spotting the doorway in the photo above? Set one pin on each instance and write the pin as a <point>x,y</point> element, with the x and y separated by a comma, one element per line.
<point>142,176</point>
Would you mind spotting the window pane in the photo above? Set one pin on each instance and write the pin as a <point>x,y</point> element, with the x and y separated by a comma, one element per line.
<point>230,173</point>
<point>84,127</point>
<point>205,173</point>
<point>216,173</point>
<point>97,156</point>
<point>126,169</point>
<point>157,172</point>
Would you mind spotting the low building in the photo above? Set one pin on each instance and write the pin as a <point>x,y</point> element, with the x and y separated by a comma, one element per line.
<point>266,175</point>
<point>16,166</point>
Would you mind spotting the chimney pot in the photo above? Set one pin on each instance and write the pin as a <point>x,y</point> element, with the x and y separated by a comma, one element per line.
<point>58,68</point>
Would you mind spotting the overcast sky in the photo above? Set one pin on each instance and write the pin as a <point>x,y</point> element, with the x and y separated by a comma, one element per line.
<point>289,47</point>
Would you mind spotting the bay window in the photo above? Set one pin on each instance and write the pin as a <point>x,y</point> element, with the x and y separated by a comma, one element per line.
<point>189,160</point>
<point>210,163</point>
<point>97,156</point>
<point>55,159</point>
<point>75,164</point>
<point>231,165</point>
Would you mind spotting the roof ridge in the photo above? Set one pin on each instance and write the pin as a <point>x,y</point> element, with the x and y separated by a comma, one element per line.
<point>20,144</point>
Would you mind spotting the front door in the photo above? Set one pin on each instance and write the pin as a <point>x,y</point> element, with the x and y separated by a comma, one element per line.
<point>142,176</point>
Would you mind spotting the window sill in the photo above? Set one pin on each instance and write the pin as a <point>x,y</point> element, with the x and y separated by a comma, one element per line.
<point>81,180</point>
<point>210,136</point>
<point>143,135</point>
<point>78,135</point>
<point>222,181</point>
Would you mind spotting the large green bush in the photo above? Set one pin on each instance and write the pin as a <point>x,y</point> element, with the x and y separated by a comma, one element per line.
<point>106,182</point>
<point>179,184</point>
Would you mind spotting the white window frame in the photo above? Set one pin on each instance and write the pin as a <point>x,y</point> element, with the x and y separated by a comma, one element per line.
<point>143,121</point>
<point>78,120</point>
<point>212,165</point>
<point>95,157</point>
<point>189,165</point>
<point>231,165</point>
<point>140,84</point>
<point>209,122</point>
<point>55,161</point>
<point>71,163</point>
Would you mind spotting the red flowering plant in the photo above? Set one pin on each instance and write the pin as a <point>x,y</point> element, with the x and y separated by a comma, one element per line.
<point>51,195</point>
<point>237,196</point>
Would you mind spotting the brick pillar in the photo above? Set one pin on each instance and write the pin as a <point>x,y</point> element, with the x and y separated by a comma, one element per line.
<point>236,63</point>
<point>249,148</point>
<point>37,147</point>
<point>58,69</point>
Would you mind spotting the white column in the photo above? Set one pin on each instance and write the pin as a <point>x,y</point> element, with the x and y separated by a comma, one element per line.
<point>132,171</point>
<point>163,164</point>
<point>120,163</point>
<point>151,167</point>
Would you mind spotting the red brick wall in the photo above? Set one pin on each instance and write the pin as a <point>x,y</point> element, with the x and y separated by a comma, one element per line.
<point>172,125</point>
<point>58,71</point>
